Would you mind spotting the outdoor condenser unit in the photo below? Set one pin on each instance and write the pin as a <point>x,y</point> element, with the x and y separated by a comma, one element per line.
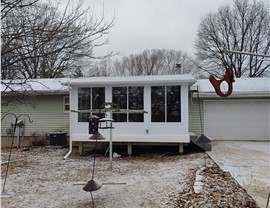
<point>58,139</point>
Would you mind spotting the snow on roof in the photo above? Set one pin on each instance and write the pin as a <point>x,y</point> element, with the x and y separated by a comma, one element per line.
<point>241,87</point>
<point>132,80</point>
<point>61,85</point>
<point>52,85</point>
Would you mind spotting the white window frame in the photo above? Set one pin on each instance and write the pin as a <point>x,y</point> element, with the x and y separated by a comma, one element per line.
<point>66,104</point>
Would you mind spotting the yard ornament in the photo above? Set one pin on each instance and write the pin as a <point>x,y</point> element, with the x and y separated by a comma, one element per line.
<point>93,184</point>
<point>18,123</point>
<point>228,77</point>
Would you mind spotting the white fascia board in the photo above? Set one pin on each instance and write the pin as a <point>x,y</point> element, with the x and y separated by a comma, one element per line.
<point>132,80</point>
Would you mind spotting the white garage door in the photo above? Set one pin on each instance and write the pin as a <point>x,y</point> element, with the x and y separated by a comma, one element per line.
<point>237,119</point>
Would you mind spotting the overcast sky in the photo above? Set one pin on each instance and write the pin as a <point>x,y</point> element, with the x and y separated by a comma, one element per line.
<point>149,24</point>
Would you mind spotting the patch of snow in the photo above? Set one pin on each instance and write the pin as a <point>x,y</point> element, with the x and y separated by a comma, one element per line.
<point>38,85</point>
<point>241,85</point>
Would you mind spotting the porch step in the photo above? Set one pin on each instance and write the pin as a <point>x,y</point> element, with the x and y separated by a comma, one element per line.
<point>205,146</point>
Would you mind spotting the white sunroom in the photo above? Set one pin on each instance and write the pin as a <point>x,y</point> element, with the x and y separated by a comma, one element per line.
<point>152,109</point>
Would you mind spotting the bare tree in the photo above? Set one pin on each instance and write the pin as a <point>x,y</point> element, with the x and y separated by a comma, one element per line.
<point>8,5</point>
<point>149,62</point>
<point>243,27</point>
<point>102,68</point>
<point>42,41</point>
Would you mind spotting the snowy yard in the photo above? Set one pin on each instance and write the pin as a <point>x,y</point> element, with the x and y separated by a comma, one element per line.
<point>41,178</point>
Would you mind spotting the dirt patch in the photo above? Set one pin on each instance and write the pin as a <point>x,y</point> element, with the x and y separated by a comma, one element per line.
<point>41,178</point>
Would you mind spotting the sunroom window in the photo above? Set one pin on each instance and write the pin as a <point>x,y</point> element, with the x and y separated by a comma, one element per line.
<point>90,101</point>
<point>131,103</point>
<point>166,103</point>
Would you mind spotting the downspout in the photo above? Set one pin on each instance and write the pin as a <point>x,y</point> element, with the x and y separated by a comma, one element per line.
<point>70,148</point>
<point>70,140</point>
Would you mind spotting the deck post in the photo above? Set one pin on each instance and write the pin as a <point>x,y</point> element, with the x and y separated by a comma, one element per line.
<point>129,149</point>
<point>181,149</point>
<point>80,148</point>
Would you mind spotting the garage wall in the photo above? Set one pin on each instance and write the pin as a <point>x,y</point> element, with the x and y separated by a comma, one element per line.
<point>243,119</point>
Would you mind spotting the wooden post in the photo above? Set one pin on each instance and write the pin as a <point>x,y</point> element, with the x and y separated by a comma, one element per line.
<point>181,149</point>
<point>111,146</point>
<point>129,149</point>
<point>80,148</point>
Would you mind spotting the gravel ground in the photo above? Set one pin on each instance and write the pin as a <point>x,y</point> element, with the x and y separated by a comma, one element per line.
<point>41,178</point>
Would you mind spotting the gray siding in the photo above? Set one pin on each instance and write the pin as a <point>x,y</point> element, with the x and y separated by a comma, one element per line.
<point>47,113</point>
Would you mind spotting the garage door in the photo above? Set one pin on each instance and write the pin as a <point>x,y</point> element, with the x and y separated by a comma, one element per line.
<point>237,119</point>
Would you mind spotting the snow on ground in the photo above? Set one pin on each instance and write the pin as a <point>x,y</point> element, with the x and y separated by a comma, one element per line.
<point>41,178</point>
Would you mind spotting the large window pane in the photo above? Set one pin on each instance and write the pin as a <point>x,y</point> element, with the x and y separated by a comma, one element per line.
<point>135,98</point>
<point>83,117</point>
<point>84,95</point>
<point>120,117</point>
<point>128,98</point>
<point>84,103</point>
<point>166,103</point>
<point>173,103</point>
<point>136,117</point>
<point>98,100</point>
<point>90,99</point>
<point>158,104</point>
<point>135,102</point>
<point>119,97</point>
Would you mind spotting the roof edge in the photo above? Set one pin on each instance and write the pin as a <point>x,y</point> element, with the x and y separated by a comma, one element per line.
<point>132,80</point>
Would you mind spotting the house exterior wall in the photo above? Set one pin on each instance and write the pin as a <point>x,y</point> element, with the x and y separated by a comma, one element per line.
<point>147,131</point>
<point>46,111</point>
<point>195,121</point>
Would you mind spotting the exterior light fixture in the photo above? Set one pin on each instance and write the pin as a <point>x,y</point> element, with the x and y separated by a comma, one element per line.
<point>106,123</point>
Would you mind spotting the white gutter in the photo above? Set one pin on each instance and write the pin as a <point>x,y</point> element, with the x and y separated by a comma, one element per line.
<point>132,80</point>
